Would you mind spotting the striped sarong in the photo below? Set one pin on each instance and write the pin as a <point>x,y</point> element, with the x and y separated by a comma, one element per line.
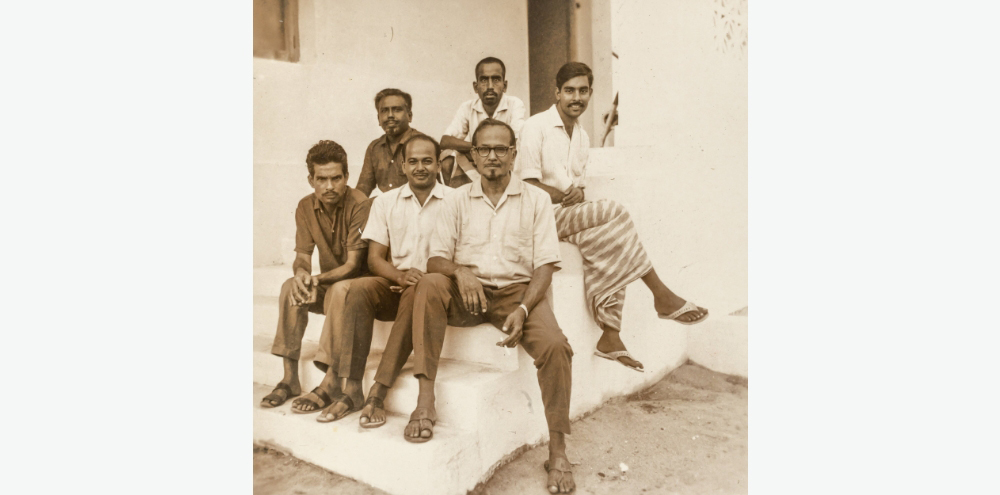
<point>613,257</point>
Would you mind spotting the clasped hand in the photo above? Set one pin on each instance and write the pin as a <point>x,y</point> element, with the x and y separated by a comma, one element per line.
<point>572,196</point>
<point>304,289</point>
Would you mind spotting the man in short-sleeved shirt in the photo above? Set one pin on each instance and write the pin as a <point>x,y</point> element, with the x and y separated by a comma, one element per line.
<point>492,102</point>
<point>492,256</point>
<point>383,165</point>
<point>400,222</point>
<point>331,219</point>
<point>553,155</point>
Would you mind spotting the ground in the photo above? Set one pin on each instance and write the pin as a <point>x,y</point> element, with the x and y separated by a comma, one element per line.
<point>686,434</point>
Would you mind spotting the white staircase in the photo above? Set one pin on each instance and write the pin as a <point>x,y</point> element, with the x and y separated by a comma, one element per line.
<point>488,400</point>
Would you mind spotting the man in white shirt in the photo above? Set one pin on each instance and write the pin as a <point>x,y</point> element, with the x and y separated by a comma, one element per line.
<point>552,154</point>
<point>493,103</point>
<point>401,219</point>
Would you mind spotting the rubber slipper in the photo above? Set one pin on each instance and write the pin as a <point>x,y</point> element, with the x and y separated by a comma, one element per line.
<point>376,403</point>
<point>343,399</point>
<point>319,393</point>
<point>268,398</point>
<point>613,356</point>
<point>686,308</point>
<point>421,414</point>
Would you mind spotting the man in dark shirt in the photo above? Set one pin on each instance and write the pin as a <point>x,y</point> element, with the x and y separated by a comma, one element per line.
<point>383,164</point>
<point>332,219</point>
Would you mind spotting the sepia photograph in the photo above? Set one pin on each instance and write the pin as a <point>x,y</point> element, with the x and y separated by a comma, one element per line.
<point>500,247</point>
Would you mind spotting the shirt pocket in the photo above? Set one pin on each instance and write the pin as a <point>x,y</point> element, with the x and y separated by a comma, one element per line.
<point>517,247</point>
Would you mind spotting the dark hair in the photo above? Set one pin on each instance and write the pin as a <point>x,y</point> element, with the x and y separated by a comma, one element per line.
<point>491,60</point>
<point>422,137</point>
<point>569,70</point>
<point>394,92</point>
<point>325,152</point>
<point>493,123</point>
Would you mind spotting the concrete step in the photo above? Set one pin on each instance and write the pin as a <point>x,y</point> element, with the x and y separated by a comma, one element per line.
<point>448,464</point>
<point>458,390</point>
<point>472,344</point>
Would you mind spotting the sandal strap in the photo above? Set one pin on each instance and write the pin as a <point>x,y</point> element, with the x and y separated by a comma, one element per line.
<point>345,399</point>
<point>282,386</point>
<point>422,413</point>
<point>687,307</point>
<point>375,402</point>
<point>322,395</point>
<point>562,464</point>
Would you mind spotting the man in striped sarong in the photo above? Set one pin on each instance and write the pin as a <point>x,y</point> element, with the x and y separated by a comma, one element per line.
<point>552,154</point>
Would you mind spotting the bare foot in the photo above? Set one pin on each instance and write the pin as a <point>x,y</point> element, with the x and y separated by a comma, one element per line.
<point>560,475</point>
<point>611,341</point>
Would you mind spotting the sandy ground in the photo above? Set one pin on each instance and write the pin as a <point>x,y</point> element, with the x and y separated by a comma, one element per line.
<point>686,434</point>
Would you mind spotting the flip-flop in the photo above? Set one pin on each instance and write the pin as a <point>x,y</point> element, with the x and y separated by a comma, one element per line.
<point>319,407</point>
<point>280,386</point>
<point>562,465</point>
<point>614,355</point>
<point>421,414</point>
<point>376,403</point>
<point>342,398</point>
<point>686,308</point>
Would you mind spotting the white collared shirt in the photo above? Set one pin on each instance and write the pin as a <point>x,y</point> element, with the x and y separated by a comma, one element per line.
<point>510,110</point>
<point>397,220</point>
<point>547,153</point>
<point>502,244</point>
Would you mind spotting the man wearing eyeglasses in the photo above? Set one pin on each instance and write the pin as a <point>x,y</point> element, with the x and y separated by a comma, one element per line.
<point>553,156</point>
<point>457,166</point>
<point>491,259</point>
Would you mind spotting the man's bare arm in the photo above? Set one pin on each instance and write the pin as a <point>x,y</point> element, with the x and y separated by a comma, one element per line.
<point>378,264</point>
<point>556,195</point>
<point>541,277</point>
<point>468,285</point>
<point>345,271</point>
<point>453,143</point>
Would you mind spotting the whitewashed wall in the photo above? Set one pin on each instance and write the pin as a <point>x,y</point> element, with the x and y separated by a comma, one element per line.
<point>680,155</point>
<point>351,49</point>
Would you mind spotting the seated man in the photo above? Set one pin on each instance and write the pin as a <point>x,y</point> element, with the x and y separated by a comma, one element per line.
<point>400,222</point>
<point>383,165</point>
<point>331,218</point>
<point>490,85</point>
<point>492,256</point>
<point>553,156</point>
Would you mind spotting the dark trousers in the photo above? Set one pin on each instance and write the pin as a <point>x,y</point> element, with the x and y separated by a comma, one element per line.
<point>337,347</point>
<point>437,303</point>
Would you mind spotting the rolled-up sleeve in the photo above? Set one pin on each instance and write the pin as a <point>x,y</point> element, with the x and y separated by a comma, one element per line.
<point>304,242</point>
<point>528,163</point>
<point>359,217</point>
<point>377,228</point>
<point>545,237</point>
<point>445,235</point>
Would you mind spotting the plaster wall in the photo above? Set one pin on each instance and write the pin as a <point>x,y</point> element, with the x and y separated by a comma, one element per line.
<point>680,157</point>
<point>351,49</point>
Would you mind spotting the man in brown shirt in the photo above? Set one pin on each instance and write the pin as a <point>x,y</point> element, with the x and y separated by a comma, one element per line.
<point>331,219</point>
<point>383,164</point>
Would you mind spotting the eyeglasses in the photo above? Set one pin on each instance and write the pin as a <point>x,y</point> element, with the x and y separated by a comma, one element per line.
<point>484,151</point>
